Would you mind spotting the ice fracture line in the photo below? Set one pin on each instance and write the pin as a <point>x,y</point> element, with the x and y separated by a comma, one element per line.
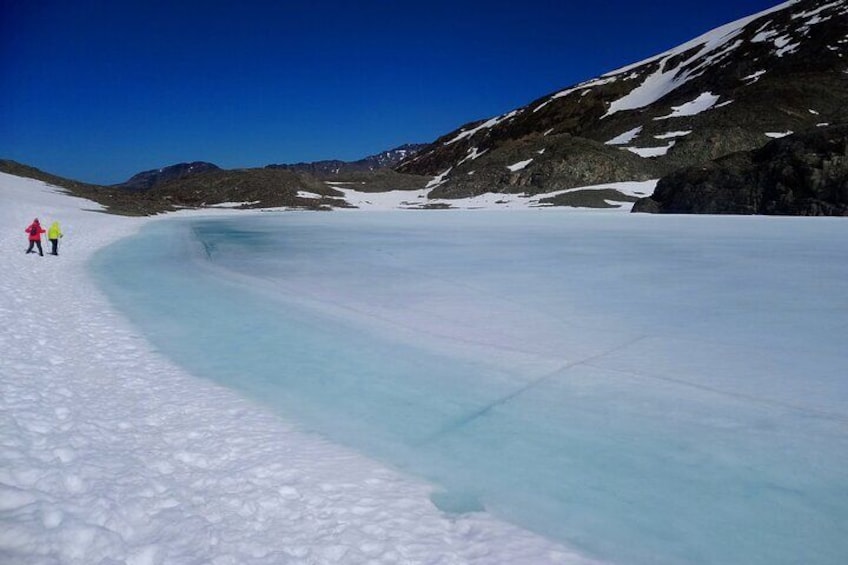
<point>482,411</point>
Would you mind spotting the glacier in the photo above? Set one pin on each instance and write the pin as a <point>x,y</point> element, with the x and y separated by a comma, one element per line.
<point>647,389</point>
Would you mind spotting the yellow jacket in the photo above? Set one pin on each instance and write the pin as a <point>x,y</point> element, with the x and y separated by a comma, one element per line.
<point>54,232</point>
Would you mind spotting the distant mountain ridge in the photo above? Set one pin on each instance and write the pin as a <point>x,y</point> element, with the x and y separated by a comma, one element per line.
<point>732,89</point>
<point>203,184</point>
<point>329,168</point>
<point>149,179</point>
<point>722,96</point>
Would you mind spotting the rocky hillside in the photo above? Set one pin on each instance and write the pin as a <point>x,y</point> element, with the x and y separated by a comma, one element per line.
<point>149,179</point>
<point>240,188</point>
<point>246,188</point>
<point>805,174</point>
<point>114,199</point>
<point>332,168</point>
<point>782,73</point>
<point>732,89</point>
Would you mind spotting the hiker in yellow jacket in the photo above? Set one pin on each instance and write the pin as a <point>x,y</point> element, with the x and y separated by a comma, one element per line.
<point>53,234</point>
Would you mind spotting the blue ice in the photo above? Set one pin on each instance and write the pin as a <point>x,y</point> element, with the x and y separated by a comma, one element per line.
<point>646,389</point>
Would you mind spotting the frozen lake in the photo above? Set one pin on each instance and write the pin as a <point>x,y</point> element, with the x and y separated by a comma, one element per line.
<point>645,389</point>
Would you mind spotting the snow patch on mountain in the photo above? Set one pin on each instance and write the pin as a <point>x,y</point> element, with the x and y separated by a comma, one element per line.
<point>473,153</point>
<point>714,46</point>
<point>240,204</point>
<point>438,180</point>
<point>625,137</point>
<point>417,199</point>
<point>787,41</point>
<point>485,125</point>
<point>651,151</point>
<point>702,103</point>
<point>583,88</point>
<point>519,166</point>
<point>814,16</point>
<point>673,134</point>
<point>754,77</point>
<point>785,46</point>
<point>636,189</point>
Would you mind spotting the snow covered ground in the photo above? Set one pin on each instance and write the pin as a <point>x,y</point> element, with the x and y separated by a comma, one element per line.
<point>109,453</point>
<point>417,199</point>
<point>648,389</point>
<point>643,387</point>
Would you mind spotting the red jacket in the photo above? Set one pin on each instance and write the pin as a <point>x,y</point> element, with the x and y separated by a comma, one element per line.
<point>36,236</point>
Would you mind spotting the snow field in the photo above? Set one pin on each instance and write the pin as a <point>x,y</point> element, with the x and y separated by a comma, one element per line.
<point>111,454</point>
<point>643,387</point>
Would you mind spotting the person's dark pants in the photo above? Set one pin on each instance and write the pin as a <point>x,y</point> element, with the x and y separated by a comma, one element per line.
<point>55,246</point>
<point>38,243</point>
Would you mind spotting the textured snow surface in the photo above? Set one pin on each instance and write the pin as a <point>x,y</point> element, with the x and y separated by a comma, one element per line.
<point>109,453</point>
<point>643,387</point>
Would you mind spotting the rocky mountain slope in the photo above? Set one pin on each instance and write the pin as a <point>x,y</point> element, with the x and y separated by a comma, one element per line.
<point>329,169</point>
<point>234,188</point>
<point>333,168</point>
<point>780,73</point>
<point>805,174</point>
<point>148,179</point>
<point>732,89</point>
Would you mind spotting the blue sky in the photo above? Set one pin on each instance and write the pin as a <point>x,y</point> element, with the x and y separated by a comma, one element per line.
<point>100,90</point>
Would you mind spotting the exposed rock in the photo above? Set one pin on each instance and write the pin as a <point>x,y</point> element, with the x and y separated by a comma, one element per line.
<point>802,174</point>
<point>541,164</point>
<point>253,187</point>
<point>333,168</point>
<point>150,179</point>
<point>720,93</point>
<point>380,180</point>
<point>601,198</point>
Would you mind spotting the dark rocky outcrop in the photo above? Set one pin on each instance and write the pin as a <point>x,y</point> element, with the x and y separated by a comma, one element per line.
<point>150,179</point>
<point>379,180</point>
<point>558,162</point>
<point>802,174</point>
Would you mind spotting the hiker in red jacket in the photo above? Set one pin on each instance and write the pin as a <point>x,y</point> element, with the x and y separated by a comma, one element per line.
<point>35,230</point>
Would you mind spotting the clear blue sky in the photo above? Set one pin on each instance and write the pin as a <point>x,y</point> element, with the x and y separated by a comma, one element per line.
<point>100,90</point>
